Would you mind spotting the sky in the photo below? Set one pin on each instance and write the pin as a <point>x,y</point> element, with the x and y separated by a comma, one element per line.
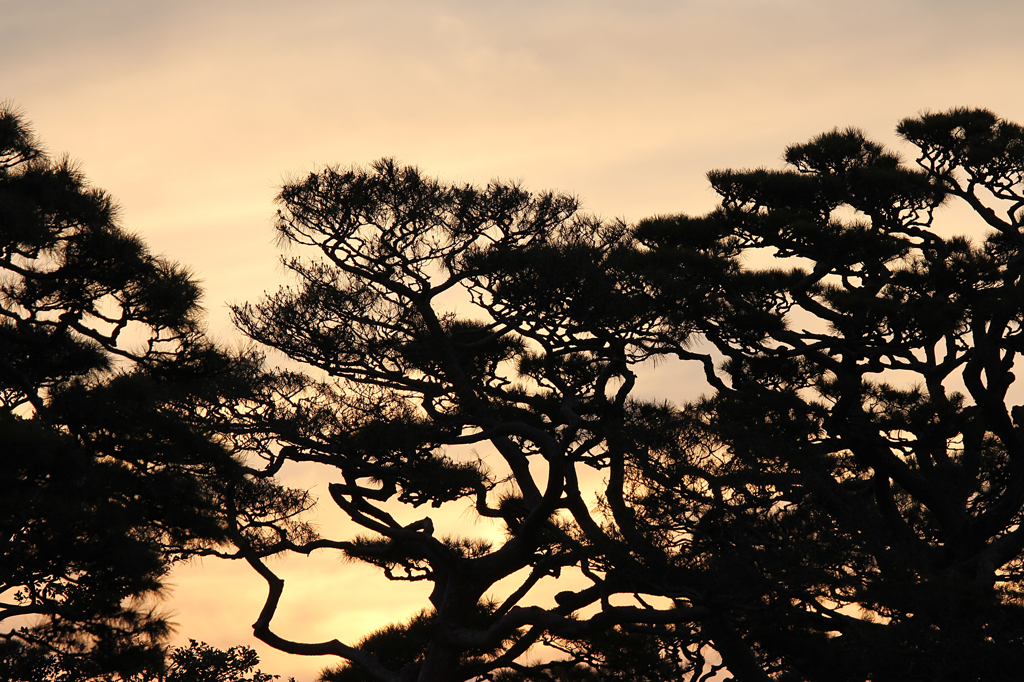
<point>192,114</point>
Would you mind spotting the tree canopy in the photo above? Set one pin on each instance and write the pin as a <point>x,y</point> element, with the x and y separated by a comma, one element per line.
<point>843,502</point>
<point>109,468</point>
<point>197,662</point>
<point>838,495</point>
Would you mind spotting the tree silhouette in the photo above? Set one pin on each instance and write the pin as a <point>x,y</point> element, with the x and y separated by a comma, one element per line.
<point>200,662</point>
<point>197,662</point>
<point>397,377</point>
<point>107,474</point>
<point>842,504</point>
<point>855,477</point>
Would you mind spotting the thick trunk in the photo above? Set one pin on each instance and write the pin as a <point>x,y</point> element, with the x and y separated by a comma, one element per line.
<point>737,656</point>
<point>439,665</point>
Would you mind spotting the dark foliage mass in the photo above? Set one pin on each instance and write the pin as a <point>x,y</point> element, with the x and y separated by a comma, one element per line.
<point>197,662</point>
<point>111,466</point>
<point>843,503</point>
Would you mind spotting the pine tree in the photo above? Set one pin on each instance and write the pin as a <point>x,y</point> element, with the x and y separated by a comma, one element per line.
<point>844,503</point>
<point>107,474</point>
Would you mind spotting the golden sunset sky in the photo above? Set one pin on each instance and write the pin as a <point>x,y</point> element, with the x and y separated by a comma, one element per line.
<point>191,114</point>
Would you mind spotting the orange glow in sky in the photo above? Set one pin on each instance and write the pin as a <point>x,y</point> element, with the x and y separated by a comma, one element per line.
<point>191,114</point>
